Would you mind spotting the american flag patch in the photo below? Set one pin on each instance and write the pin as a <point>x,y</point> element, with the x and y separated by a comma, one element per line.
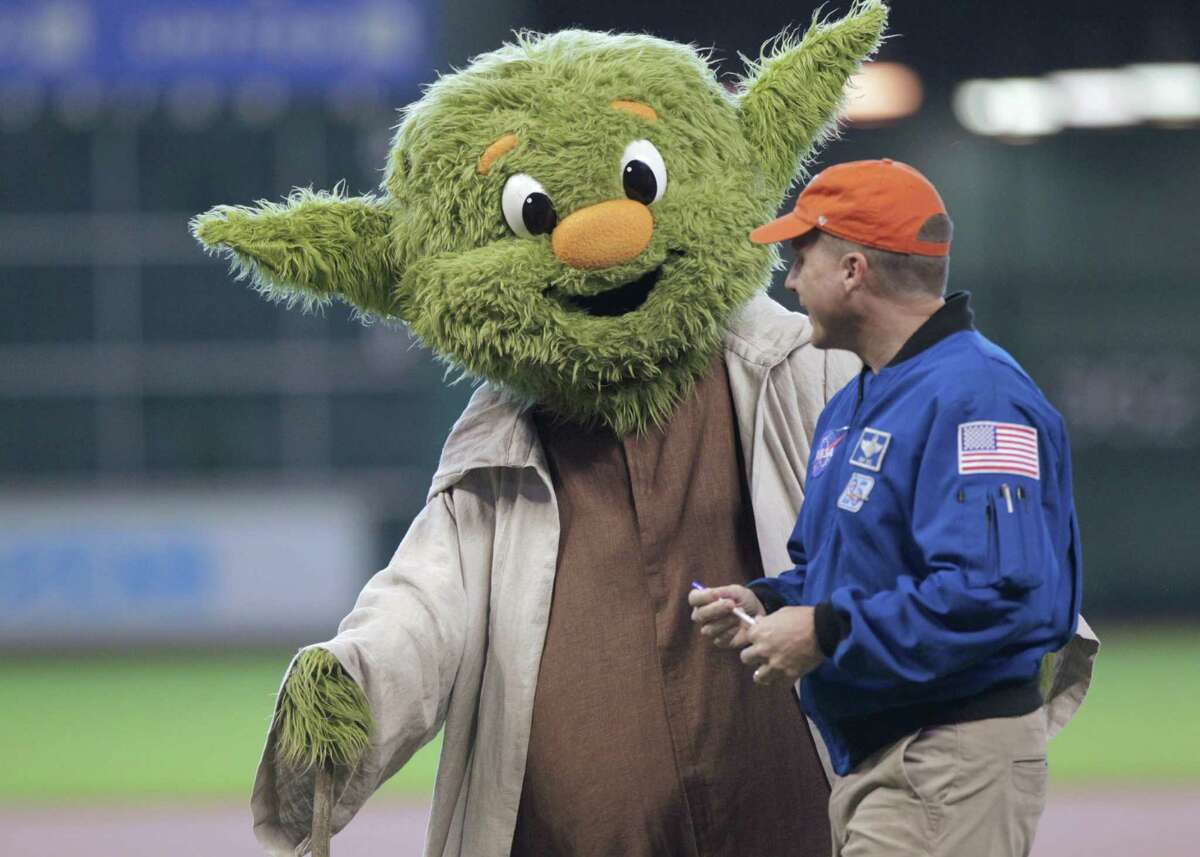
<point>988,447</point>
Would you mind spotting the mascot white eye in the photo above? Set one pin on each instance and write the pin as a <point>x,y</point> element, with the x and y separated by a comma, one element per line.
<point>643,173</point>
<point>528,209</point>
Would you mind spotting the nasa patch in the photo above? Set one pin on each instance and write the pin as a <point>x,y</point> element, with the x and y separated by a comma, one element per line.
<point>858,489</point>
<point>823,454</point>
<point>872,447</point>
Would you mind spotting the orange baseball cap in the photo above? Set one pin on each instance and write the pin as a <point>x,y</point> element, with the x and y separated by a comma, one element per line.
<point>883,204</point>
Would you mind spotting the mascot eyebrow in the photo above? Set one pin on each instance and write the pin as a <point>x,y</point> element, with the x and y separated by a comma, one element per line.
<point>645,111</point>
<point>502,146</point>
<point>508,142</point>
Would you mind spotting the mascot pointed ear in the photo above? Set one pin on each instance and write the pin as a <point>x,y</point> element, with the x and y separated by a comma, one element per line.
<point>792,94</point>
<point>312,247</point>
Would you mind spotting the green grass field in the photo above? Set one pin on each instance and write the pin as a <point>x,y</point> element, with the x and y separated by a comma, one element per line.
<point>192,726</point>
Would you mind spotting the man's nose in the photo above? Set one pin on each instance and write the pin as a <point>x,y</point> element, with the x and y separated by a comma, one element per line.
<point>792,281</point>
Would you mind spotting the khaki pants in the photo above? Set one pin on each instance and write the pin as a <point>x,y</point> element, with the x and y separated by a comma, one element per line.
<point>965,790</point>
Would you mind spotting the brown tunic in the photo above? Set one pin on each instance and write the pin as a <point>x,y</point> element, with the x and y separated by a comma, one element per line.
<point>647,741</point>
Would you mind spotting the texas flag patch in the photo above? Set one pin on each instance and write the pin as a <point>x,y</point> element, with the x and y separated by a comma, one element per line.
<point>990,447</point>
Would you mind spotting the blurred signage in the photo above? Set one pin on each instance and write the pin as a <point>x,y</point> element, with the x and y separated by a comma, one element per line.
<point>312,44</point>
<point>111,569</point>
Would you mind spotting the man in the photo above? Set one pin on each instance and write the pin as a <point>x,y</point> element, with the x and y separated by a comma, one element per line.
<point>937,556</point>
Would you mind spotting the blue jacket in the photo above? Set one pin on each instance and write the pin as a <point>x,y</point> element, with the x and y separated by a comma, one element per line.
<point>938,540</point>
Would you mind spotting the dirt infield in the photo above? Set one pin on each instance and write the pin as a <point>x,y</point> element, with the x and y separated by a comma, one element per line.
<point>1093,823</point>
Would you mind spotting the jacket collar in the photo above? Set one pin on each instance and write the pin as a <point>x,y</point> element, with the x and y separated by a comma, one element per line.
<point>495,429</point>
<point>954,316</point>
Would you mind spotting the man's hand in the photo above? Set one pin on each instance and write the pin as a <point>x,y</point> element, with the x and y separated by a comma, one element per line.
<point>783,646</point>
<point>712,610</point>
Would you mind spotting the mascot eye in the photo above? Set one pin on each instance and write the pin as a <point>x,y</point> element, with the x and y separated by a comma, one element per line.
<point>528,209</point>
<point>643,172</point>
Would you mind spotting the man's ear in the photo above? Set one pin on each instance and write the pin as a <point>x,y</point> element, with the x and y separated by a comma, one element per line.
<point>794,91</point>
<point>855,269</point>
<point>312,247</point>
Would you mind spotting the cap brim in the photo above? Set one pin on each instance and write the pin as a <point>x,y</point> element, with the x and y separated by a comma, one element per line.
<point>781,229</point>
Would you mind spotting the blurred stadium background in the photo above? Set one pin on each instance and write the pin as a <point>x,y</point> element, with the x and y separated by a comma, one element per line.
<point>193,482</point>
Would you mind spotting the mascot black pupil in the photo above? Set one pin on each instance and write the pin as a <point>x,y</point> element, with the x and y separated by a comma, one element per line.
<point>538,214</point>
<point>640,183</point>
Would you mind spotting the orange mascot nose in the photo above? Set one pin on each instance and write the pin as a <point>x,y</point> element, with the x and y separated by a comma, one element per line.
<point>602,235</point>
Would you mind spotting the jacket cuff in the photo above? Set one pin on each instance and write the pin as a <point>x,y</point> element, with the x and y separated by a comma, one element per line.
<point>831,627</point>
<point>771,600</point>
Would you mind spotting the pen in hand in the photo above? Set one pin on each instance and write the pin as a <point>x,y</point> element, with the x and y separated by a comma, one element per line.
<point>737,611</point>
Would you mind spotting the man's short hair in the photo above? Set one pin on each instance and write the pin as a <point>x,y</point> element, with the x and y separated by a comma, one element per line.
<point>905,273</point>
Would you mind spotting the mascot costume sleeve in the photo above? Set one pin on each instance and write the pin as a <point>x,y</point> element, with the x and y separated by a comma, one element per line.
<point>567,219</point>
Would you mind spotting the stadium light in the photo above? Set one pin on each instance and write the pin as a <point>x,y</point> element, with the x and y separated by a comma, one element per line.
<point>1166,93</point>
<point>1096,98</point>
<point>883,92</point>
<point>57,35</point>
<point>1018,109</point>
<point>1023,109</point>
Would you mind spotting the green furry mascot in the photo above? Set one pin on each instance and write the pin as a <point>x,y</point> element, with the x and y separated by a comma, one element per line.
<point>567,220</point>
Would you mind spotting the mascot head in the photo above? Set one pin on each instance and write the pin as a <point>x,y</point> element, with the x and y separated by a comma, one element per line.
<point>568,216</point>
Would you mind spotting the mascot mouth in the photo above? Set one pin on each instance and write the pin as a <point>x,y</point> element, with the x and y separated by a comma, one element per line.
<point>618,301</point>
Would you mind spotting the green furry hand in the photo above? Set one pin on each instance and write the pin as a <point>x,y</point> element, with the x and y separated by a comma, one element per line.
<point>323,716</point>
